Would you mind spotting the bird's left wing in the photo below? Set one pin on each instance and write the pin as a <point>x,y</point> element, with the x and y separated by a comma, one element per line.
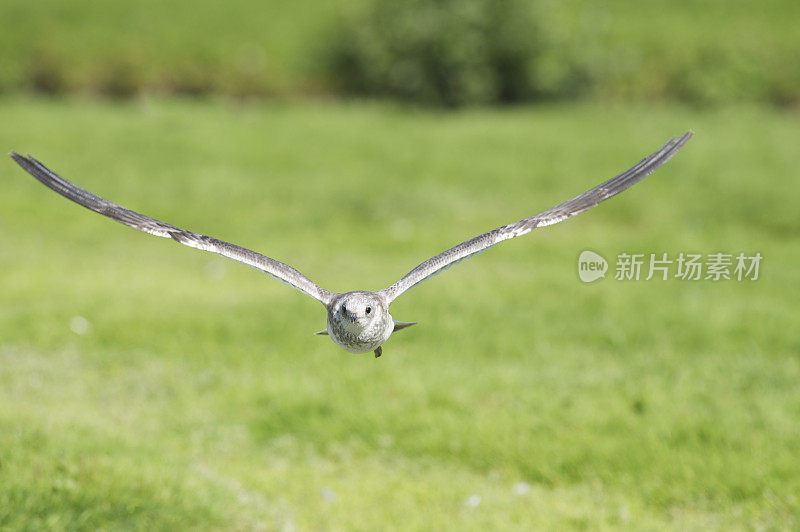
<point>559,213</point>
<point>271,267</point>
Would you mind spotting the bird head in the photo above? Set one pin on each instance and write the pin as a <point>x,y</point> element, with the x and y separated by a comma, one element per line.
<point>358,310</point>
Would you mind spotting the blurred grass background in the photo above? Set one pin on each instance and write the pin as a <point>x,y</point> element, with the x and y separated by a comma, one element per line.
<point>709,52</point>
<point>145,385</point>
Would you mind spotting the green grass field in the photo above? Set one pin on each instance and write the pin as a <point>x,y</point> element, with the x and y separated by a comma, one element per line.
<point>198,398</point>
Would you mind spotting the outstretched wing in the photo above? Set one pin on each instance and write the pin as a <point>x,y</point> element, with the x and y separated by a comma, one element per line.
<point>561,212</point>
<point>271,267</point>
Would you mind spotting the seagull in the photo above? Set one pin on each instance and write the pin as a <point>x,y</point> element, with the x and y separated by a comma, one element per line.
<point>358,321</point>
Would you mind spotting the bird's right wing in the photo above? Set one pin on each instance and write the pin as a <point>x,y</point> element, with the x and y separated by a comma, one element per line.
<point>556,214</point>
<point>271,267</point>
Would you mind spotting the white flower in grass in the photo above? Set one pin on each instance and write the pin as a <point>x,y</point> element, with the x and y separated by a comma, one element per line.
<point>79,325</point>
<point>473,501</point>
<point>522,488</point>
<point>328,494</point>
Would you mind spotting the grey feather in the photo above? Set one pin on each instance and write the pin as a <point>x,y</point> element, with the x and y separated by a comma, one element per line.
<point>399,325</point>
<point>559,213</point>
<point>271,267</point>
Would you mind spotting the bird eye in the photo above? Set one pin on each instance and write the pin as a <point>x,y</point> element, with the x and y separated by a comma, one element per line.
<point>369,309</point>
<point>344,309</point>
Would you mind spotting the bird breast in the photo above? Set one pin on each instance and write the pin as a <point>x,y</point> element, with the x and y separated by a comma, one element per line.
<point>358,338</point>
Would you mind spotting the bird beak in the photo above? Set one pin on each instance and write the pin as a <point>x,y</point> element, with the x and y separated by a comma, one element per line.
<point>352,318</point>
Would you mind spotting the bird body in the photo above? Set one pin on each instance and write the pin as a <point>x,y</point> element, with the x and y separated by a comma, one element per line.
<point>357,321</point>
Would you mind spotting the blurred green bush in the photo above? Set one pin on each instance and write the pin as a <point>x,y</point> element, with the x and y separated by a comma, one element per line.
<point>442,52</point>
<point>466,52</point>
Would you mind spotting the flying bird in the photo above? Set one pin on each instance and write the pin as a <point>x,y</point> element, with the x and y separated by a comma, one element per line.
<point>357,321</point>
